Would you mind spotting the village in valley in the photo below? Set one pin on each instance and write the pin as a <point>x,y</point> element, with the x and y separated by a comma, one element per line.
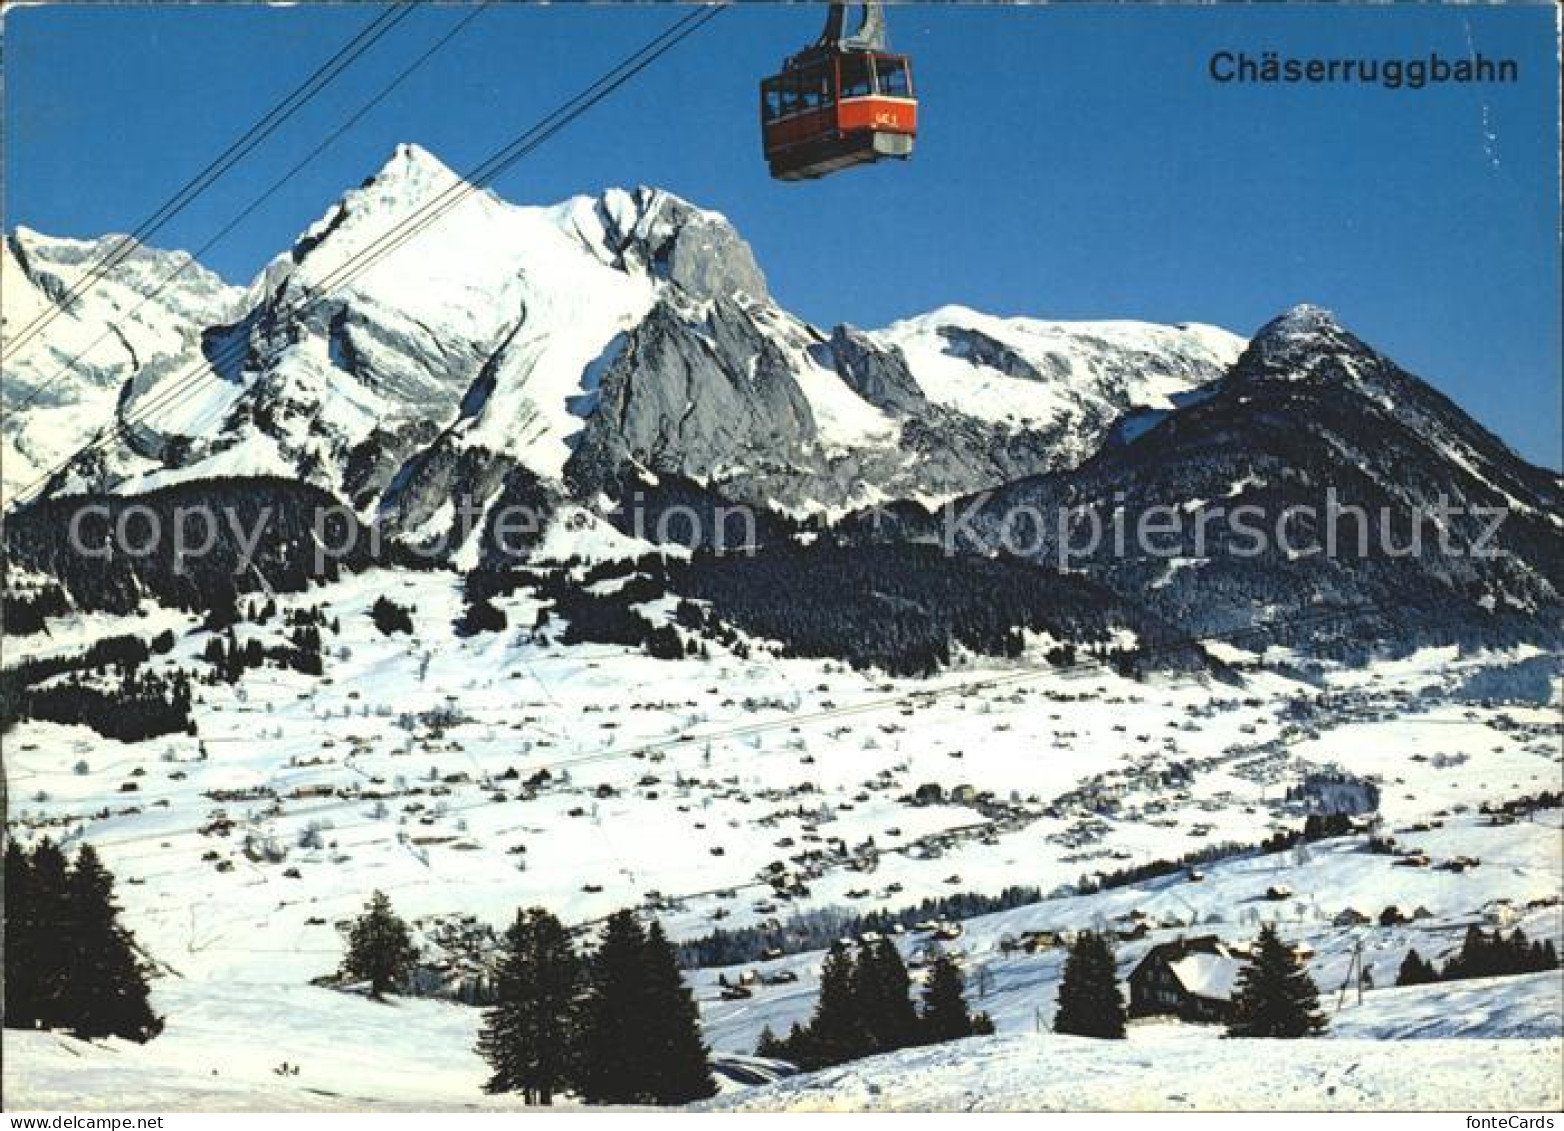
<point>768,810</point>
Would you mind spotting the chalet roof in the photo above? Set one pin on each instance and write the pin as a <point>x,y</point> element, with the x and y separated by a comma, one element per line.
<point>1179,947</point>
<point>1204,966</point>
<point>1208,975</point>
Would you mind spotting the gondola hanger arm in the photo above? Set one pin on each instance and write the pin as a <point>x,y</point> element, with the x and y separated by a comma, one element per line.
<point>870,35</point>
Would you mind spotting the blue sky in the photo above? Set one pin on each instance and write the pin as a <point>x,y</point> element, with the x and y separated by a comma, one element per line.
<point>1075,162</point>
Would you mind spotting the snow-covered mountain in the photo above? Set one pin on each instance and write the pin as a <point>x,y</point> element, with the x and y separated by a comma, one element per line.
<point>142,319</point>
<point>1437,526</point>
<point>565,344</point>
<point>627,344</point>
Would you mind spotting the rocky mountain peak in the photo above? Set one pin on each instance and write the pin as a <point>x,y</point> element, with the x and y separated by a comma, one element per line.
<point>1306,342</point>
<point>1303,320</point>
<point>412,165</point>
<point>696,249</point>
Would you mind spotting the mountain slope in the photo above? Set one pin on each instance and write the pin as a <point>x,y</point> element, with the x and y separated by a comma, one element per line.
<point>1309,419</point>
<point>142,320</point>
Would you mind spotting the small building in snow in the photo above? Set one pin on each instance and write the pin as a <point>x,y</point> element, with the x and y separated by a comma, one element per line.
<point>1191,979</point>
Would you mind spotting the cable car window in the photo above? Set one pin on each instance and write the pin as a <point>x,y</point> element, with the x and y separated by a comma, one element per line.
<point>772,95</point>
<point>791,102</point>
<point>892,74</point>
<point>857,79</point>
<point>814,88</point>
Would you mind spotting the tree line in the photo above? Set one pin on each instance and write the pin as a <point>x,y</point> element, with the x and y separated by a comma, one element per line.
<point>865,1008</point>
<point>1482,956</point>
<point>69,964</point>
<point>142,704</point>
<point>121,653</point>
<point>818,928</point>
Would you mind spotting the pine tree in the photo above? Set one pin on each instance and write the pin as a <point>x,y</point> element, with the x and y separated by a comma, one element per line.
<point>680,1070</point>
<point>106,988</point>
<point>1090,1003</point>
<point>641,1038</point>
<point>380,948</point>
<point>613,1067</point>
<point>1276,996</point>
<point>945,1016</point>
<point>529,1035</point>
<point>881,991</point>
<point>770,1046</point>
<point>1477,958</point>
<point>836,1032</point>
<point>50,881</point>
<point>1415,971</point>
<point>69,964</point>
<point>22,952</point>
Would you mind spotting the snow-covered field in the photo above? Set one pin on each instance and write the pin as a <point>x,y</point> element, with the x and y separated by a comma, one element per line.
<point>417,766</point>
<point>225,1043</point>
<point>1175,1071</point>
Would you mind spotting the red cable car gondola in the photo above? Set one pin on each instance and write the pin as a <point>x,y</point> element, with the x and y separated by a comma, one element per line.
<point>844,101</point>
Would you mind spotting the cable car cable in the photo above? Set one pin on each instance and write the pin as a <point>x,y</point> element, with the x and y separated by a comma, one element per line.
<point>178,389</point>
<point>217,167</point>
<point>195,256</point>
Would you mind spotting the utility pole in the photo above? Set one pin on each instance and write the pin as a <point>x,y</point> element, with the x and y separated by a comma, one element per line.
<point>1354,972</point>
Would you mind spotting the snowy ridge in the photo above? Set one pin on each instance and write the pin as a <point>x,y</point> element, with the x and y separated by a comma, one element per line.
<point>491,291</point>
<point>1024,371</point>
<point>70,375</point>
<point>485,341</point>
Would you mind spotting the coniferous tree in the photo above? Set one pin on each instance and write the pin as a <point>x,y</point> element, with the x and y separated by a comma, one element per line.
<point>881,991</point>
<point>836,1032</point>
<point>1490,956</point>
<point>1416,971</point>
<point>1090,1002</point>
<point>390,618</point>
<point>380,948</point>
<point>69,964</point>
<point>50,881</point>
<point>1276,997</point>
<point>1547,956</point>
<point>1477,957</point>
<point>680,1070</point>
<point>770,1046</point>
<point>613,1065</point>
<point>529,1035</point>
<point>641,1038</point>
<point>106,988</point>
<point>22,942</point>
<point>945,1016</point>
